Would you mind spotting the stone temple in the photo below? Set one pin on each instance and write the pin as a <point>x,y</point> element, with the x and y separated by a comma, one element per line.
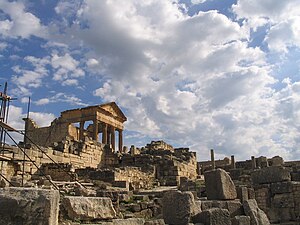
<point>106,120</point>
<point>77,171</point>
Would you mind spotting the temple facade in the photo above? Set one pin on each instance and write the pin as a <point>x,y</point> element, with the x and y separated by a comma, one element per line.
<point>102,123</point>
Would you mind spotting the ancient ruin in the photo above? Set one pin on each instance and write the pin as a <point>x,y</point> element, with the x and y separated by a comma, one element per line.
<point>77,171</point>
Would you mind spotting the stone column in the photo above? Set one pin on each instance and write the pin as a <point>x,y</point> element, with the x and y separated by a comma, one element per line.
<point>113,138</point>
<point>212,157</point>
<point>95,132</point>
<point>253,162</point>
<point>81,129</point>
<point>121,141</point>
<point>104,133</point>
<point>108,139</point>
<point>233,162</point>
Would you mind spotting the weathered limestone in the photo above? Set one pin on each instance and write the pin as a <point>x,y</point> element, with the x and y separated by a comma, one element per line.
<point>130,221</point>
<point>240,220</point>
<point>271,174</point>
<point>213,216</point>
<point>242,193</point>
<point>282,187</point>
<point>219,185</point>
<point>234,207</point>
<point>155,222</point>
<point>88,208</point>
<point>178,207</point>
<point>257,216</point>
<point>29,206</point>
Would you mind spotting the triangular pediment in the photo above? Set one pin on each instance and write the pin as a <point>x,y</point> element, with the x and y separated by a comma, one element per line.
<point>114,110</point>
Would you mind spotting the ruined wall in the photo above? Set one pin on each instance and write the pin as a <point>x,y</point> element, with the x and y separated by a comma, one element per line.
<point>129,177</point>
<point>159,145</point>
<point>80,155</point>
<point>169,166</point>
<point>46,136</point>
<point>221,163</point>
<point>136,178</point>
<point>276,194</point>
<point>9,169</point>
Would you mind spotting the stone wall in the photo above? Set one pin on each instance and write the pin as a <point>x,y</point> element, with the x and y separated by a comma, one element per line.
<point>45,136</point>
<point>168,166</point>
<point>80,155</point>
<point>276,194</point>
<point>159,145</point>
<point>126,177</point>
<point>221,163</point>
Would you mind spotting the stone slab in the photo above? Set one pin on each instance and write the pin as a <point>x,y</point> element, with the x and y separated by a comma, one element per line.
<point>257,216</point>
<point>240,220</point>
<point>213,216</point>
<point>88,208</point>
<point>29,206</point>
<point>219,185</point>
<point>178,207</point>
<point>282,187</point>
<point>271,174</point>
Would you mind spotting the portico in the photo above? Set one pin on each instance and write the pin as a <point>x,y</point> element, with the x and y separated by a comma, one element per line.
<point>107,119</point>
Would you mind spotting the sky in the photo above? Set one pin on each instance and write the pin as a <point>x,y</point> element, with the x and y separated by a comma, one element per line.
<point>203,74</point>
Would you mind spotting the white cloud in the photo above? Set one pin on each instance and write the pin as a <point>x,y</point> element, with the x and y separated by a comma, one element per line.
<point>21,23</point>
<point>3,45</point>
<point>284,34</point>
<point>42,119</point>
<point>195,2</point>
<point>61,97</point>
<point>193,80</point>
<point>66,67</point>
<point>26,79</point>
<point>281,16</point>
<point>42,101</point>
<point>70,82</point>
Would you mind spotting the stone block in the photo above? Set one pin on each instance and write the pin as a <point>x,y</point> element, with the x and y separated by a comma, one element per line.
<point>155,222</point>
<point>285,200</point>
<point>234,207</point>
<point>213,216</point>
<point>281,215</point>
<point>178,207</point>
<point>240,220</point>
<point>134,207</point>
<point>88,208</point>
<point>281,187</point>
<point>271,174</point>
<point>251,193</point>
<point>29,206</point>
<point>257,216</point>
<point>219,185</point>
<point>235,173</point>
<point>242,193</point>
<point>130,221</point>
<point>146,214</point>
<point>295,176</point>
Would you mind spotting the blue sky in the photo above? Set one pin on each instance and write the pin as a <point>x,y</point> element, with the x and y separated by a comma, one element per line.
<point>196,73</point>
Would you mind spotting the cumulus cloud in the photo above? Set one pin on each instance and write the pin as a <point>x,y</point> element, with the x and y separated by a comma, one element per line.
<point>193,80</point>
<point>66,67</point>
<point>61,97</point>
<point>284,34</point>
<point>20,22</point>
<point>281,16</point>
<point>27,78</point>
<point>198,1</point>
<point>179,79</point>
